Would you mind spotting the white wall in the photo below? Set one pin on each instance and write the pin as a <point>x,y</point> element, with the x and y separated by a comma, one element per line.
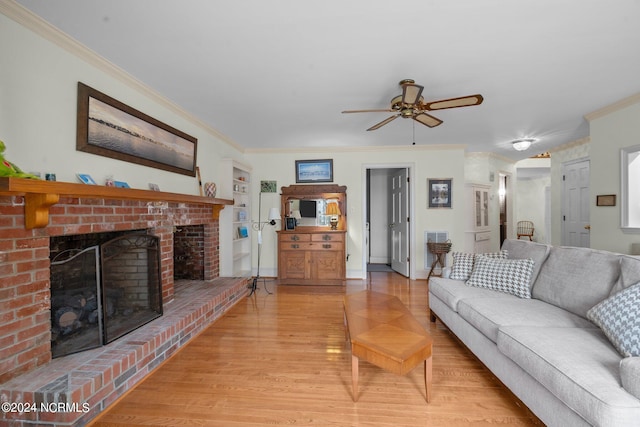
<point>611,130</point>
<point>349,169</point>
<point>531,204</point>
<point>38,94</point>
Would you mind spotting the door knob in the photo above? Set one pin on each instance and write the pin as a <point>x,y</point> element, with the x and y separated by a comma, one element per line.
<point>587,227</point>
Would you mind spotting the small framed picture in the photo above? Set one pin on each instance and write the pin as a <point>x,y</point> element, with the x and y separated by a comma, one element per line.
<point>290,224</point>
<point>154,187</point>
<point>121,184</point>
<point>606,200</point>
<point>86,178</point>
<point>439,192</point>
<point>268,187</point>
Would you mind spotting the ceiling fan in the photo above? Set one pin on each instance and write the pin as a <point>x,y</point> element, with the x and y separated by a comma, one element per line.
<point>411,105</point>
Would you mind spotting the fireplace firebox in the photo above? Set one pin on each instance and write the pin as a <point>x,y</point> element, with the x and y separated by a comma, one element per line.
<point>103,286</point>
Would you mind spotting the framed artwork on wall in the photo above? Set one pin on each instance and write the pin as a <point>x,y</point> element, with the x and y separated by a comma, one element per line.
<point>311,171</point>
<point>439,192</point>
<point>110,128</point>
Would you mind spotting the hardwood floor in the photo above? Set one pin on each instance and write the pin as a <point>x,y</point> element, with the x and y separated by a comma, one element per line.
<point>283,359</point>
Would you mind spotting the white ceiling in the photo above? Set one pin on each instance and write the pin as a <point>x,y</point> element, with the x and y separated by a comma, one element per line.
<point>277,74</point>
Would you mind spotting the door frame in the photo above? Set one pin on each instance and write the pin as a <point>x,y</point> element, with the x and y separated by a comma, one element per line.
<point>412,222</point>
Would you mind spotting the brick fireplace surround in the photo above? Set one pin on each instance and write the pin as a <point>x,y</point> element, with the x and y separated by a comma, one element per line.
<point>88,382</point>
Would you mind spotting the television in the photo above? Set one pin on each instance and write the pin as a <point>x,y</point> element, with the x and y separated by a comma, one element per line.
<point>308,208</point>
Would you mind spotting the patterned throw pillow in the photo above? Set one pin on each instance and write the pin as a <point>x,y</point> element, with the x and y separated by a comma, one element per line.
<point>463,263</point>
<point>619,318</point>
<point>503,275</point>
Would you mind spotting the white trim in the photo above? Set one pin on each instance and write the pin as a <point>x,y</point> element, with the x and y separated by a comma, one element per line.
<point>412,214</point>
<point>624,189</point>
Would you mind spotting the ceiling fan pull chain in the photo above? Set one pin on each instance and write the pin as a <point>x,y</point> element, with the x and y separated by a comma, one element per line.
<point>414,131</point>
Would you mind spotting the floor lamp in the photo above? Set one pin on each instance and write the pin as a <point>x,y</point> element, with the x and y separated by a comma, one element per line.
<point>274,215</point>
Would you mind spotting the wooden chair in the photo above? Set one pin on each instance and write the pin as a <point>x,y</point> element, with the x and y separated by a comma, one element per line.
<point>525,228</point>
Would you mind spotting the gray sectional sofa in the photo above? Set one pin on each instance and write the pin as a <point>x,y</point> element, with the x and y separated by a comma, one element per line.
<point>550,348</point>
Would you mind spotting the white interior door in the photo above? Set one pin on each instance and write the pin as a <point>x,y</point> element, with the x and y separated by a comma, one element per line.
<point>576,225</point>
<point>399,224</point>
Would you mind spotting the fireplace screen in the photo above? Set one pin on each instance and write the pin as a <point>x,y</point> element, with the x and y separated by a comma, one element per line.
<point>103,292</point>
<point>75,303</point>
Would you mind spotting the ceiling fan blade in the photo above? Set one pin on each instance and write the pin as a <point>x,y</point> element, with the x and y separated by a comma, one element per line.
<point>427,120</point>
<point>411,93</point>
<point>384,122</point>
<point>464,101</point>
<point>368,111</point>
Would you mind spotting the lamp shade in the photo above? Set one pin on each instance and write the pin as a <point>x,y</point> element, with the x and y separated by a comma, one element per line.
<point>332,209</point>
<point>274,214</point>
<point>296,214</point>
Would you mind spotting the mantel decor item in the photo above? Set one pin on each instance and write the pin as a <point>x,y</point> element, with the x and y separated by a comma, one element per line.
<point>109,128</point>
<point>439,192</point>
<point>312,171</point>
<point>606,200</point>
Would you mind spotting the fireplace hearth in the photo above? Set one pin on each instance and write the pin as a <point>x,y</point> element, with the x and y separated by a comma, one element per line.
<point>103,286</point>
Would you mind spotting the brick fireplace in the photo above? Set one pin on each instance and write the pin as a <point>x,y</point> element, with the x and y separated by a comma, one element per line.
<point>25,319</point>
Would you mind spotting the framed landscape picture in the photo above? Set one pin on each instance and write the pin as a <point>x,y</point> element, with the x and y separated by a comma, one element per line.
<point>109,128</point>
<point>310,171</point>
<point>439,192</point>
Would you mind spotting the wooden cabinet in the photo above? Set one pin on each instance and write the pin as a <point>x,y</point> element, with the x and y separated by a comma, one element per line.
<point>314,258</point>
<point>313,254</point>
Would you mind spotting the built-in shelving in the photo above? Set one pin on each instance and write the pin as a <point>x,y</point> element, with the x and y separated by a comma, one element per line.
<point>41,195</point>
<point>235,224</point>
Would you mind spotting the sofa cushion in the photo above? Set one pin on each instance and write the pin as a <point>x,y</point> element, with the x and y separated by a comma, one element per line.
<point>579,366</point>
<point>524,249</point>
<point>463,263</point>
<point>505,275</point>
<point>488,315</point>
<point>576,279</point>
<point>629,273</point>
<point>630,375</point>
<point>619,318</point>
<point>451,292</point>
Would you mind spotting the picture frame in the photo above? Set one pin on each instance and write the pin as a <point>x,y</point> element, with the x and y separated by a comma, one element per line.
<point>110,128</point>
<point>268,187</point>
<point>86,178</point>
<point>606,200</point>
<point>312,171</point>
<point>154,187</point>
<point>439,192</point>
<point>121,184</point>
<point>290,223</point>
<point>243,232</point>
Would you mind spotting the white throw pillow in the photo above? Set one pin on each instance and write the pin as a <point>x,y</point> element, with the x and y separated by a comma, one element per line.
<point>504,275</point>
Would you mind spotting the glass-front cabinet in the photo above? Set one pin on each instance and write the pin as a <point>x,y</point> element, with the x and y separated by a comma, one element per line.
<point>478,233</point>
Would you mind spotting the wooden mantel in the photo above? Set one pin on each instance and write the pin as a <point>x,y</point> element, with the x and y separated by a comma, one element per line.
<point>41,195</point>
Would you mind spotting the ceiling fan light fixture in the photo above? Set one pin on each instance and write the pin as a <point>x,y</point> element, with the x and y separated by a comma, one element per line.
<point>522,144</point>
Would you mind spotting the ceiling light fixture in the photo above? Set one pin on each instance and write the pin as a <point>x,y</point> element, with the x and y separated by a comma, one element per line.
<point>522,144</point>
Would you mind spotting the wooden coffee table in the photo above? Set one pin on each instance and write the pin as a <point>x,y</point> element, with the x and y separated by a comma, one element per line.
<point>383,332</point>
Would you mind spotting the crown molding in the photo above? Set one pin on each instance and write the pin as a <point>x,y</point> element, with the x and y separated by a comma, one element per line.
<point>612,108</point>
<point>570,145</point>
<point>354,149</point>
<point>33,22</point>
